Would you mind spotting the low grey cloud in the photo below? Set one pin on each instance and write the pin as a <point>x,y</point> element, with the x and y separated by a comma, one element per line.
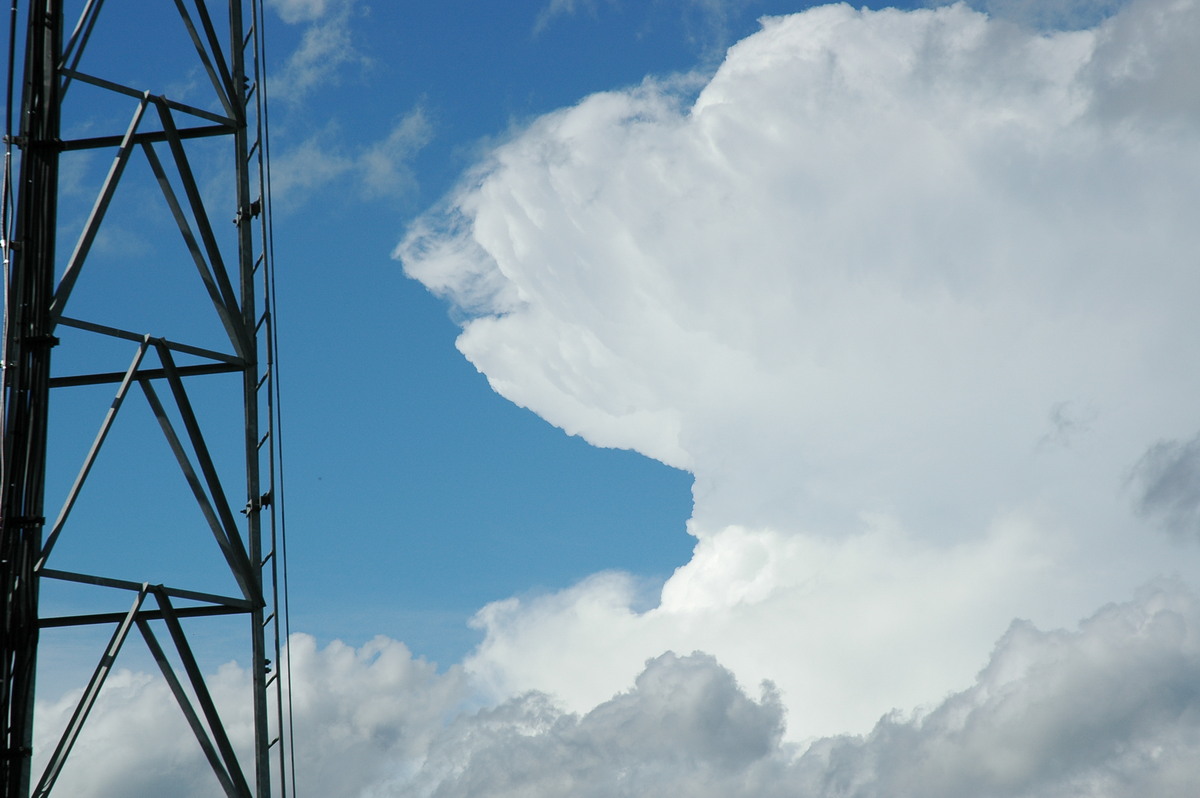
<point>685,727</point>
<point>1167,478</point>
<point>1110,709</point>
<point>1066,421</point>
<point>360,713</point>
<point>1144,69</point>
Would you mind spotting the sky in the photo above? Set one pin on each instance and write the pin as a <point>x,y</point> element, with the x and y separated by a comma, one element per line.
<point>727,398</point>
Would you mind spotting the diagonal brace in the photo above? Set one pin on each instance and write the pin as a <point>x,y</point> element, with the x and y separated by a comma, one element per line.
<point>192,192</point>
<point>219,738</point>
<point>71,733</point>
<point>223,84</point>
<point>230,540</point>
<point>229,313</point>
<point>185,705</point>
<point>92,227</point>
<point>90,459</point>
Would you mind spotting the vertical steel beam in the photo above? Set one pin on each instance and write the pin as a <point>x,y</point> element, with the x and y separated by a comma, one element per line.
<point>26,360</point>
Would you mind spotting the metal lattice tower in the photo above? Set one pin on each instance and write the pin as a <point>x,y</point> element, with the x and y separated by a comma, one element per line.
<point>191,162</point>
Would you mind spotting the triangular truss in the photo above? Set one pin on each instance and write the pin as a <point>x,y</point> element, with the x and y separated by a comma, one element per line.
<point>232,286</point>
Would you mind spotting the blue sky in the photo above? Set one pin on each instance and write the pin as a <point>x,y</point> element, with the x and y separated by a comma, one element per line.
<point>718,397</point>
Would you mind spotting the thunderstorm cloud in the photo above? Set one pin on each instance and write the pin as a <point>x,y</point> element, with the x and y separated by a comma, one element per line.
<point>908,293</point>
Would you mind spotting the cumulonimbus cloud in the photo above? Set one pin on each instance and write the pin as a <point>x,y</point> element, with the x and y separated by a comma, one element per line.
<point>854,284</point>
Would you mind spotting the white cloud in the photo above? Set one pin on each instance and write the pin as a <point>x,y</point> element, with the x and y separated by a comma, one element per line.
<point>705,22</point>
<point>380,168</point>
<point>556,8</point>
<point>848,629</point>
<point>298,172</point>
<point>384,164</point>
<point>293,11</point>
<point>325,48</point>
<point>852,286</point>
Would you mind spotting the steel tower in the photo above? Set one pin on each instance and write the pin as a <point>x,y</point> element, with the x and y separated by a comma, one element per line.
<point>173,94</point>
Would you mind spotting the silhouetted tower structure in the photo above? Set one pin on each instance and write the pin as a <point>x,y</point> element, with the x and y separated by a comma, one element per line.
<point>173,94</point>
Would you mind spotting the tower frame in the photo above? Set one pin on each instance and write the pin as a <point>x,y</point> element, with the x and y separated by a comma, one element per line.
<point>236,282</point>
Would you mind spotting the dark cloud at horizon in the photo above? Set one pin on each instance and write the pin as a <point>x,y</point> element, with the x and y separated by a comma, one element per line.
<point>1109,710</point>
<point>1168,481</point>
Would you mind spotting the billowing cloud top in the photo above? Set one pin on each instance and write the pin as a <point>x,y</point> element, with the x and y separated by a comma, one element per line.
<point>909,293</point>
<point>878,249</point>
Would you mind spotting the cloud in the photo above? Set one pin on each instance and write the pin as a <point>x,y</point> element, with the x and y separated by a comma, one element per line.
<point>810,615</point>
<point>293,11</point>
<point>1066,423</point>
<point>557,8</point>
<point>1143,67</point>
<point>706,23</point>
<point>1051,14</point>
<point>325,48</point>
<point>298,172</point>
<point>380,168</point>
<point>846,284</point>
<point>1168,478</point>
<point>361,716</point>
<point>384,164</point>
<point>1110,709</point>
<point>686,726</point>
<point>709,22</point>
<point>1107,710</point>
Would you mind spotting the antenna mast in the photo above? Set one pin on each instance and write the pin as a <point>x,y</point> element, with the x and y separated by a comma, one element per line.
<point>52,304</point>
